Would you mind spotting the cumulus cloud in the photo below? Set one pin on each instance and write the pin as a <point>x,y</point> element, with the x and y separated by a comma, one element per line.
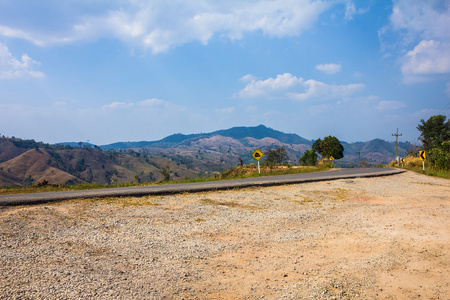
<point>329,68</point>
<point>160,25</point>
<point>270,87</point>
<point>421,19</point>
<point>296,88</point>
<point>247,78</point>
<point>422,27</point>
<point>428,57</point>
<point>11,67</point>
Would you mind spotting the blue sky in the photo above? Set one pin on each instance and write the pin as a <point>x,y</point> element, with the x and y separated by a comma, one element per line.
<point>107,71</point>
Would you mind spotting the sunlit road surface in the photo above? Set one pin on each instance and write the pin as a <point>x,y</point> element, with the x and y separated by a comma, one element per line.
<point>164,189</point>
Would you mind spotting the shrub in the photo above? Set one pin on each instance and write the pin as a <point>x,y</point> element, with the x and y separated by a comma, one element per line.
<point>440,156</point>
<point>309,158</point>
<point>165,171</point>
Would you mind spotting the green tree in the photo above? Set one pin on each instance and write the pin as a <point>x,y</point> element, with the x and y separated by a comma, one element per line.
<point>440,155</point>
<point>329,146</point>
<point>277,156</point>
<point>165,171</point>
<point>316,146</point>
<point>309,158</point>
<point>434,131</point>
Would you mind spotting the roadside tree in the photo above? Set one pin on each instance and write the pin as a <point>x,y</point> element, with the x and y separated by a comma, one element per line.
<point>329,146</point>
<point>277,156</point>
<point>434,131</point>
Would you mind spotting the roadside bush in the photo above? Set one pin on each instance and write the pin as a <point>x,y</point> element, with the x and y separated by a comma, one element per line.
<point>309,158</point>
<point>440,156</point>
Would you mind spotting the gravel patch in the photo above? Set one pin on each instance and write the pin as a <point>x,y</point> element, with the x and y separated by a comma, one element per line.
<point>367,238</point>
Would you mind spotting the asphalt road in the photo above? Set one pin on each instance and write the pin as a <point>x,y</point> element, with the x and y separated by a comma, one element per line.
<point>139,191</point>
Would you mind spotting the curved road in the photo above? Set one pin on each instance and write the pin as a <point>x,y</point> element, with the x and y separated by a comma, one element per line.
<point>139,191</point>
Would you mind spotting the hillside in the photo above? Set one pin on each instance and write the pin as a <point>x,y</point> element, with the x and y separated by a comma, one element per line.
<point>375,152</point>
<point>236,133</point>
<point>25,162</point>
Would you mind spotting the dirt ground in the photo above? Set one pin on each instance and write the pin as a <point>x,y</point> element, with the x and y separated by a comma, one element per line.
<point>373,238</point>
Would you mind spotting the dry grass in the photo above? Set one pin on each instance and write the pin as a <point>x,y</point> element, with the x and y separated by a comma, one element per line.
<point>415,164</point>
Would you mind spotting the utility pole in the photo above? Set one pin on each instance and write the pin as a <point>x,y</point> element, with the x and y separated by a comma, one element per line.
<point>359,159</point>
<point>396,146</point>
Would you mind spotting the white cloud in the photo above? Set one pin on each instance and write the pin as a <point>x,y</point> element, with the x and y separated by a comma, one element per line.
<point>147,104</point>
<point>117,105</point>
<point>351,11</point>
<point>161,25</point>
<point>271,86</point>
<point>296,88</point>
<point>390,105</point>
<point>422,25</point>
<point>329,68</point>
<point>153,102</point>
<point>427,58</point>
<point>421,19</point>
<point>247,78</point>
<point>11,67</point>
<point>319,90</point>
<point>424,114</point>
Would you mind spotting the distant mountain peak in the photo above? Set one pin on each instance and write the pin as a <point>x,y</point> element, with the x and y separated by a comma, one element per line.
<point>241,132</point>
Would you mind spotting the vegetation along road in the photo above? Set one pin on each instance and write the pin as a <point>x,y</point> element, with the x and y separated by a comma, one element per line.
<point>21,199</point>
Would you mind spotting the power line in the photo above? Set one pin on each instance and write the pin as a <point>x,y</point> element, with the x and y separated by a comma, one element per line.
<point>445,109</point>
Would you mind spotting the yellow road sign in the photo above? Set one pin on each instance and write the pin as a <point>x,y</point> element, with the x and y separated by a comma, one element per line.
<point>257,154</point>
<point>331,158</point>
<point>402,160</point>
<point>422,155</point>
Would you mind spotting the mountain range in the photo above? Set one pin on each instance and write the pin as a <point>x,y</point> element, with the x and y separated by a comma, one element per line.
<point>25,162</point>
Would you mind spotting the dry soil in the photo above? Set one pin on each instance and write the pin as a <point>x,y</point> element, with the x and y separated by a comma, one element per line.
<point>374,238</point>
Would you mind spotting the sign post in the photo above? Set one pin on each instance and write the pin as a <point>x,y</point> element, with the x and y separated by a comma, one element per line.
<point>423,156</point>
<point>402,160</point>
<point>331,158</point>
<point>257,154</point>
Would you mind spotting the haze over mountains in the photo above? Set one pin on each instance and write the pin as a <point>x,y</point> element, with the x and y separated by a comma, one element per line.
<point>24,162</point>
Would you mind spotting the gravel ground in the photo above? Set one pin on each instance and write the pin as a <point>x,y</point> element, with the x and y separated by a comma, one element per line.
<point>373,238</point>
